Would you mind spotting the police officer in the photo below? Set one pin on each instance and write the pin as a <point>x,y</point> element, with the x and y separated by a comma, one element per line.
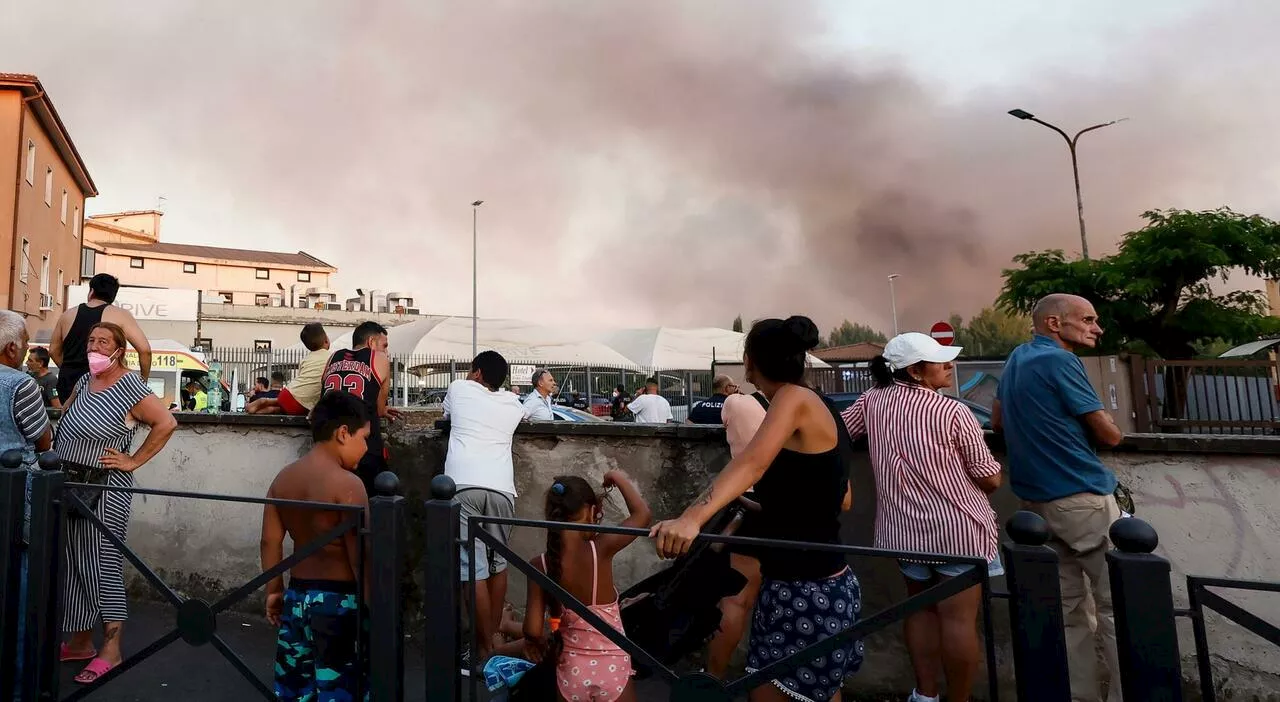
<point>708,411</point>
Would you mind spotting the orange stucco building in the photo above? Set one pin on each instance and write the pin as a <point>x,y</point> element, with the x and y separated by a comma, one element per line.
<point>43,186</point>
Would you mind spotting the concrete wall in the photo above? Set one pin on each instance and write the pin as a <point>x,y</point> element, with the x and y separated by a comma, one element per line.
<point>1211,499</point>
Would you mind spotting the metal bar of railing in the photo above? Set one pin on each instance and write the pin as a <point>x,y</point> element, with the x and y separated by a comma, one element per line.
<point>304,504</point>
<point>1239,615</point>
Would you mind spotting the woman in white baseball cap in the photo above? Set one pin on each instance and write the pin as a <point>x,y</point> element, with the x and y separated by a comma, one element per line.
<point>933,473</point>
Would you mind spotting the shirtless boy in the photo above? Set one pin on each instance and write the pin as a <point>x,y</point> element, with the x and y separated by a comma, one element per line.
<point>316,652</point>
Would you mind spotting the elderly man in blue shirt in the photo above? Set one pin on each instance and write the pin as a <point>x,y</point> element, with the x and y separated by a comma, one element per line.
<point>1052,420</point>
<point>537,406</point>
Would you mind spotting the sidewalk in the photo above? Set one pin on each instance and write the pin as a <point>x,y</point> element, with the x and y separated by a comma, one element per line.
<point>191,674</point>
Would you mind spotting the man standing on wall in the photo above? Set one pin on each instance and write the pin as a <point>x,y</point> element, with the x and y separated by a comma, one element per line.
<point>365,371</point>
<point>482,421</point>
<point>69,345</point>
<point>1052,419</point>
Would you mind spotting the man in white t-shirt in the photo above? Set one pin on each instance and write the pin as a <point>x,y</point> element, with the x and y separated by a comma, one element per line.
<point>651,408</point>
<point>537,406</point>
<point>483,418</point>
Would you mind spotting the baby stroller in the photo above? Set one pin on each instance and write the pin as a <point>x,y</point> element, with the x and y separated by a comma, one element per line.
<point>675,612</point>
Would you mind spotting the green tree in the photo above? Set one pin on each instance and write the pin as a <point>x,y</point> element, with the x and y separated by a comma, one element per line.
<point>737,324</point>
<point>1155,291</point>
<point>992,332</point>
<point>850,333</point>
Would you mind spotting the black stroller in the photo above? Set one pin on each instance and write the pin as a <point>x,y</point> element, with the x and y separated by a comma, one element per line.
<point>675,612</point>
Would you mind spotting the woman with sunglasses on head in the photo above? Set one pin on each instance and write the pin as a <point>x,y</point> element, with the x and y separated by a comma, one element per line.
<point>798,461</point>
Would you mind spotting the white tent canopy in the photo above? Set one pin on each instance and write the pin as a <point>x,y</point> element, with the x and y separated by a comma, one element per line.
<point>526,342</point>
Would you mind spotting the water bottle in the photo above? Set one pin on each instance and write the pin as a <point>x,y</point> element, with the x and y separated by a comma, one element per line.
<point>215,388</point>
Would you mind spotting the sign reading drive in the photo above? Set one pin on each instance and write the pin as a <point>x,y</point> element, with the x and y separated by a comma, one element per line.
<point>943,333</point>
<point>155,304</point>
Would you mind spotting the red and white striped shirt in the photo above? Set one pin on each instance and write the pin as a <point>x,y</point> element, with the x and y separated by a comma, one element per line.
<point>926,449</point>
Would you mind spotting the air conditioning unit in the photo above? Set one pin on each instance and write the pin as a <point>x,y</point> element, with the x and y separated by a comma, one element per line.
<point>46,302</point>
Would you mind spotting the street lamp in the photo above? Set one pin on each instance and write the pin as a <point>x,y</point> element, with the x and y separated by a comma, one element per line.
<point>893,302</point>
<point>475,209</point>
<point>1075,168</point>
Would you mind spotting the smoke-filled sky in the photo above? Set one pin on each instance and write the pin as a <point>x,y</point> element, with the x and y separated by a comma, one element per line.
<point>661,162</point>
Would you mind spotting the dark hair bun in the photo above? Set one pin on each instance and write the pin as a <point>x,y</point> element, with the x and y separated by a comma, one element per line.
<point>805,332</point>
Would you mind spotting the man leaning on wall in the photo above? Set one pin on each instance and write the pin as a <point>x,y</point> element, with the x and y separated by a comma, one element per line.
<point>1052,420</point>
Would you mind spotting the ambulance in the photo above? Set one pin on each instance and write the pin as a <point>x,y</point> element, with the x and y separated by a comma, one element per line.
<point>173,365</point>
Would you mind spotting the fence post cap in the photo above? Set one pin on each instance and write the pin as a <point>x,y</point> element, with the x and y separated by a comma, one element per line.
<point>1027,529</point>
<point>50,460</point>
<point>443,488</point>
<point>386,484</point>
<point>11,459</point>
<point>1132,535</point>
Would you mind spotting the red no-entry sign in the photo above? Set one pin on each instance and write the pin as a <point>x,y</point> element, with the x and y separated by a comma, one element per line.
<point>944,333</point>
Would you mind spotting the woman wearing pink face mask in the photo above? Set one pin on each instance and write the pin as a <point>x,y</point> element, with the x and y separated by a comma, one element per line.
<point>93,439</point>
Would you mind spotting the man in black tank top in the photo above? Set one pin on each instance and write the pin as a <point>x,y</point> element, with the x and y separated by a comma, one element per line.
<point>365,371</point>
<point>69,345</point>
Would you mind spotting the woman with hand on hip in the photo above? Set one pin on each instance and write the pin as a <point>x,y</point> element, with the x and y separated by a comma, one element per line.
<point>93,439</point>
<point>798,463</point>
<point>933,473</point>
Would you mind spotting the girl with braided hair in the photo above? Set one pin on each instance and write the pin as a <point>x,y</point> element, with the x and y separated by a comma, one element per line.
<point>588,665</point>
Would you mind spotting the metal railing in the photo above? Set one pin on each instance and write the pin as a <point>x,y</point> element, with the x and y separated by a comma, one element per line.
<point>1201,599</point>
<point>30,627</point>
<point>1206,396</point>
<point>422,379</point>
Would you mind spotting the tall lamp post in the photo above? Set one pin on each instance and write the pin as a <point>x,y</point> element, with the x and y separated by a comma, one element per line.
<point>893,302</point>
<point>1075,167</point>
<point>475,210</point>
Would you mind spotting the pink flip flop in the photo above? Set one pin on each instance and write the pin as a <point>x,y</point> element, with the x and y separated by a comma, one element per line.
<point>66,656</point>
<point>97,668</point>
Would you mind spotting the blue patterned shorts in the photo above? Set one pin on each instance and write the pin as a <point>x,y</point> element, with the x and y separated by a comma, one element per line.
<point>793,615</point>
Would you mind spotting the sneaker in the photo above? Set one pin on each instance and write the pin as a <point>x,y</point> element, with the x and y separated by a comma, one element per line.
<point>917,697</point>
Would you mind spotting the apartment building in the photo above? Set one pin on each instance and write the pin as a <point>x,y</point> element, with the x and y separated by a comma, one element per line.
<point>43,187</point>
<point>128,246</point>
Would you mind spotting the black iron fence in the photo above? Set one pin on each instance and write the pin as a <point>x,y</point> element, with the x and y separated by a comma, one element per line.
<point>1145,615</point>
<point>35,565</point>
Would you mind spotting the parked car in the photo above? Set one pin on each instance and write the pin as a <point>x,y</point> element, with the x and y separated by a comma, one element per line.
<point>842,401</point>
<point>569,414</point>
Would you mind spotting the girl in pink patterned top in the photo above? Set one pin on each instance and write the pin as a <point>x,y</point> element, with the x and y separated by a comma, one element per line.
<point>588,665</point>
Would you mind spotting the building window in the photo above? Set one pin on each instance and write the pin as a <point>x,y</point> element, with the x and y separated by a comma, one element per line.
<point>64,207</point>
<point>262,345</point>
<point>31,162</point>
<point>75,224</point>
<point>88,262</point>
<point>262,300</point>
<point>25,264</point>
<point>137,262</point>
<point>262,274</point>
<point>57,293</point>
<point>304,276</point>
<point>48,187</point>
<point>44,275</point>
<point>227,298</point>
<point>188,268</point>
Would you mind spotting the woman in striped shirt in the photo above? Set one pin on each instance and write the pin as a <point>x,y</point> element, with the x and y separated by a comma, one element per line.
<point>933,473</point>
<point>93,437</point>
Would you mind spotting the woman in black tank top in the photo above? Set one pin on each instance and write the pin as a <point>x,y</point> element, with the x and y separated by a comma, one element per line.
<point>799,464</point>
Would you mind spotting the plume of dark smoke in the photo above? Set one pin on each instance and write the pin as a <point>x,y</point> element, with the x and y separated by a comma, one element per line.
<point>675,163</point>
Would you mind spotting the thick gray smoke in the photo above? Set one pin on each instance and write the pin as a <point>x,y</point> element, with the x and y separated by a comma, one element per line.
<point>674,163</point>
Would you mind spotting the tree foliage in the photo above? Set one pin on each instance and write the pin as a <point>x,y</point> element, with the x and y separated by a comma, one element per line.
<point>851,333</point>
<point>737,324</point>
<point>991,332</point>
<point>1156,290</point>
